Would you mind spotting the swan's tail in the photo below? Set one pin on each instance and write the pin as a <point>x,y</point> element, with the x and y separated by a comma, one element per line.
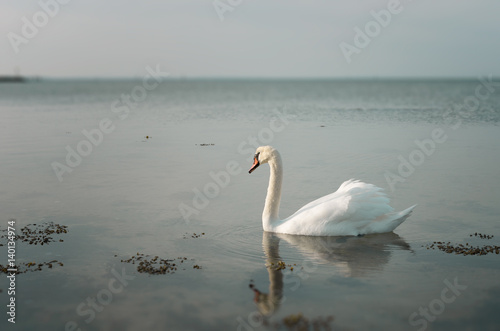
<point>388,222</point>
<point>398,218</point>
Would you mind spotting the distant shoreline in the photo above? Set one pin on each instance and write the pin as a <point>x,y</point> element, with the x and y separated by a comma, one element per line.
<point>12,79</point>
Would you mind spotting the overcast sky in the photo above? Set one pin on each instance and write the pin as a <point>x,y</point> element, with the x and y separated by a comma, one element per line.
<point>251,38</point>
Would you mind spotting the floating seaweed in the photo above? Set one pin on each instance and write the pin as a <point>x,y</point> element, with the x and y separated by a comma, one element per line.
<point>482,236</point>
<point>466,249</point>
<point>34,234</point>
<point>300,322</point>
<point>39,234</point>
<point>22,268</point>
<point>156,265</point>
<point>280,265</point>
<point>194,235</point>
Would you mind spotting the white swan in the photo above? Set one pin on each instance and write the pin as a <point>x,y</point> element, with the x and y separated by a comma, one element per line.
<point>356,208</point>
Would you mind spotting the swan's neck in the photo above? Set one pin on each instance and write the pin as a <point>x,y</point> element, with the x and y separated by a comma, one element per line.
<point>270,215</point>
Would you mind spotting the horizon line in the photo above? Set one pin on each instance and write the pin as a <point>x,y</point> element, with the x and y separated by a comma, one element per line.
<point>261,78</point>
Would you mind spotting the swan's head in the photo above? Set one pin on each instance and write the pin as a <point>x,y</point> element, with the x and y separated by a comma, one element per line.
<point>263,154</point>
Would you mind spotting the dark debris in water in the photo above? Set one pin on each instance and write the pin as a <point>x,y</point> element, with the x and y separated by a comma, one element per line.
<point>466,249</point>
<point>34,234</point>
<point>39,234</point>
<point>158,266</point>
<point>280,265</point>
<point>204,145</point>
<point>482,236</point>
<point>301,323</point>
<point>194,235</point>
<point>30,267</point>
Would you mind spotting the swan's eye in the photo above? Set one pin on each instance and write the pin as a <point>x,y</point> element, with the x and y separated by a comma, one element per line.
<point>256,156</point>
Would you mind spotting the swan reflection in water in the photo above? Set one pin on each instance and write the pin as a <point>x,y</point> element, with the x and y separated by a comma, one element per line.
<point>349,257</point>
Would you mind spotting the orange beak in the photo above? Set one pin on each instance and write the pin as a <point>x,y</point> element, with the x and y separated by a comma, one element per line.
<point>255,164</point>
<point>256,296</point>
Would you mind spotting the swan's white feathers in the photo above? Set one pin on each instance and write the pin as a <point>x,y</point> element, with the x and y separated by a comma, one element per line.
<point>355,208</point>
<point>348,211</point>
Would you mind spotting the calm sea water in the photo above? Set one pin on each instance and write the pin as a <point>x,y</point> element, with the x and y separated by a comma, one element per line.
<point>163,172</point>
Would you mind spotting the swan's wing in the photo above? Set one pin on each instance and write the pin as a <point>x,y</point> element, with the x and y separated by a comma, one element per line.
<point>345,212</point>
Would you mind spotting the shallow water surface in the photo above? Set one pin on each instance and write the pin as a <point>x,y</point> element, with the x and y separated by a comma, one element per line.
<point>184,192</point>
